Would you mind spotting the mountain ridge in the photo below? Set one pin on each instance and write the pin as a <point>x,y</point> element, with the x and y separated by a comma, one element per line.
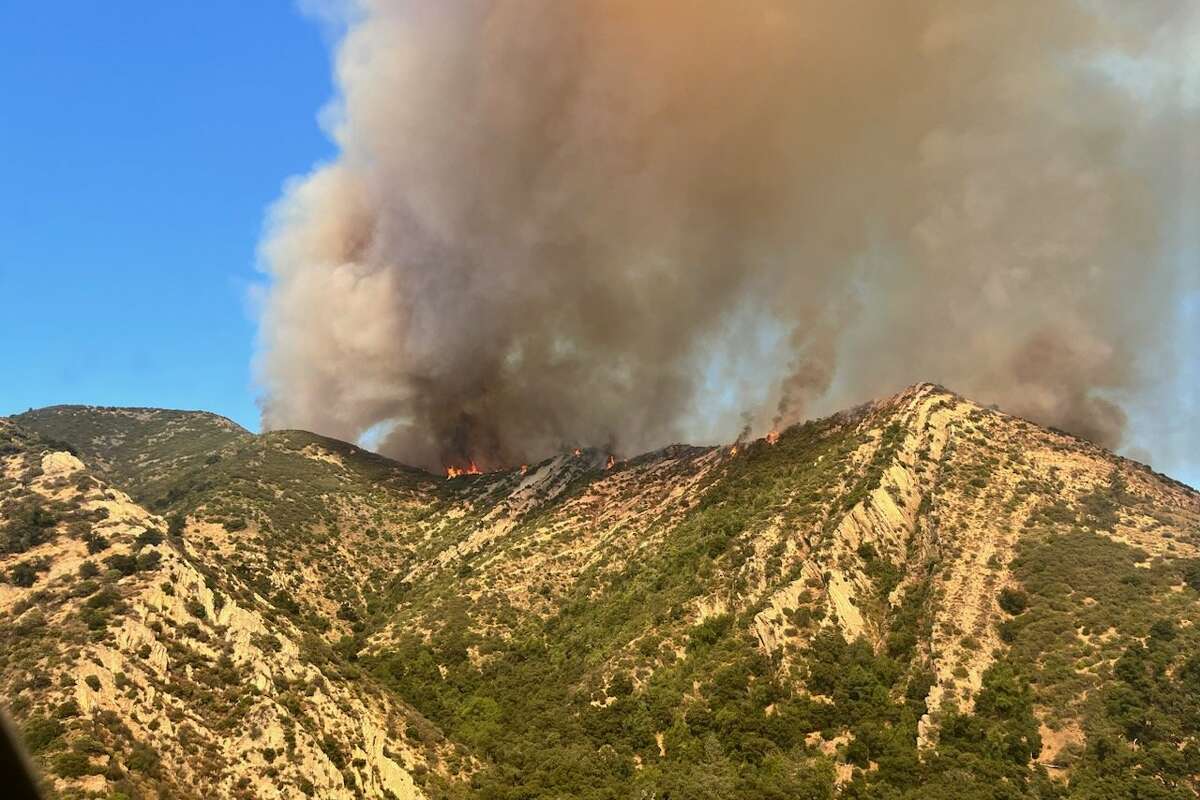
<point>894,398</point>
<point>602,603</point>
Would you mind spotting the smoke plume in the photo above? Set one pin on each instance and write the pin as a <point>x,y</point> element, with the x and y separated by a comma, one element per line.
<point>546,217</point>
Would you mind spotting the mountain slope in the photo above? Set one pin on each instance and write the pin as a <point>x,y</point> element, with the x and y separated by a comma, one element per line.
<point>916,598</point>
<point>130,668</point>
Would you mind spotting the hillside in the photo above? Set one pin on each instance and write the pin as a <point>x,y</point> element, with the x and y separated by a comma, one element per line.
<point>919,597</point>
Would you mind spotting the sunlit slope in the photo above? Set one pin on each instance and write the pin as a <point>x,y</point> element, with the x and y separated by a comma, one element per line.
<point>919,597</point>
<point>136,666</point>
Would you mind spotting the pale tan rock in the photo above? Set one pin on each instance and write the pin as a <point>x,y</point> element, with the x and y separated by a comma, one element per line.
<point>60,464</point>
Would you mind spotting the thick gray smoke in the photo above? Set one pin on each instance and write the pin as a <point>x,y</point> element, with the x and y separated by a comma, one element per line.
<point>546,217</point>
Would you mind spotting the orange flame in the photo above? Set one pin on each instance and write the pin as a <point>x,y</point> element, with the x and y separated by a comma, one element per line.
<point>772,437</point>
<point>612,460</point>
<point>578,451</point>
<point>524,468</point>
<point>470,469</point>
<point>733,450</point>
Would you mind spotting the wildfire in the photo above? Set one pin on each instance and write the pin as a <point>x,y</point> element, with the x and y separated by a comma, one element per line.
<point>524,468</point>
<point>612,460</point>
<point>733,450</point>
<point>578,451</point>
<point>772,437</point>
<point>470,469</point>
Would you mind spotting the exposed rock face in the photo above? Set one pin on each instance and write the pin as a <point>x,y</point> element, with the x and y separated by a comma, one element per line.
<point>56,465</point>
<point>303,617</point>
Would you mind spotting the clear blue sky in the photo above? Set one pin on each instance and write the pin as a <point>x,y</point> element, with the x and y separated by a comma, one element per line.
<point>140,144</point>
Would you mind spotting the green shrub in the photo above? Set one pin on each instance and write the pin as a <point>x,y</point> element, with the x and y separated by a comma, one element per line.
<point>148,561</point>
<point>22,574</point>
<point>67,710</point>
<point>122,563</point>
<point>72,764</point>
<point>143,759</point>
<point>148,537</point>
<point>96,610</point>
<point>858,753</point>
<point>28,526</point>
<point>1013,601</point>
<point>1164,630</point>
<point>620,686</point>
<point>710,631</point>
<point>41,732</point>
<point>284,601</point>
<point>1191,574</point>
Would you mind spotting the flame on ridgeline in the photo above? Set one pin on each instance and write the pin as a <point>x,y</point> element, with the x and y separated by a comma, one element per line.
<point>772,437</point>
<point>612,461</point>
<point>470,469</point>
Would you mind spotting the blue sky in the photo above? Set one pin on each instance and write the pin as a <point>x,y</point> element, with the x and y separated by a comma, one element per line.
<point>138,152</point>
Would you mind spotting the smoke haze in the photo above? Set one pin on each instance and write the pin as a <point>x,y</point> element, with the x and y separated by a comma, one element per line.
<point>547,220</point>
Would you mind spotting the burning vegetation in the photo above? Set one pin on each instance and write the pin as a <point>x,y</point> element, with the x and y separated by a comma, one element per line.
<point>469,469</point>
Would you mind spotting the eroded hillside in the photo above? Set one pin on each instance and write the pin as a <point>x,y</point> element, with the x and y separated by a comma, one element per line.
<point>916,598</point>
<point>132,668</point>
